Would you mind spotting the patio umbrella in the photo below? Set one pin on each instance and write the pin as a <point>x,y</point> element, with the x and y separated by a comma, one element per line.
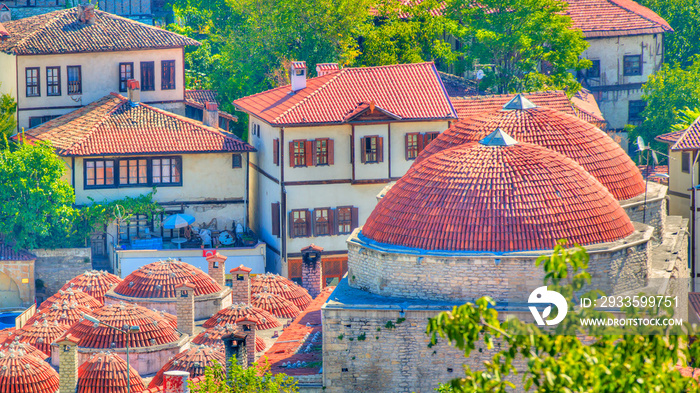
<point>176,221</point>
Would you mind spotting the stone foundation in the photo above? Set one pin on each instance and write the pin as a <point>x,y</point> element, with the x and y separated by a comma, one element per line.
<point>204,305</point>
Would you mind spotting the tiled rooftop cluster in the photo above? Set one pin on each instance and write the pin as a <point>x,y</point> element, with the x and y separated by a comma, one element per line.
<point>64,313</point>
<point>95,283</point>
<point>41,333</point>
<point>24,373</point>
<point>212,336</point>
<point>236,311</point>
<point>9,253</point>
<point>17,345</point>
<point>71,296</point>
<point>281,286</point>
<point>193,360</point>
<point>613,18</point>
<point>159,279</point>
<point>688,139</point>
<point>105,372</point>
<point>276,305</point>
<point>501,198</point>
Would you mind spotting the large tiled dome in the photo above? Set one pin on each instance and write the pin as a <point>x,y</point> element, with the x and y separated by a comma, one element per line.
<point>577,139</point>
<point>283,287</point>
<point>231,314</point>
<point>193,360</point>
<point>40,333</point>
<point>26,347</point>
<point>24,373</point>
<point>64,313</point>
<point>70,296</point>
<point>275,305</point>
<point>159,279</point>
<point>95,283</point>
<point>498,195</point>
<point>106,373</point>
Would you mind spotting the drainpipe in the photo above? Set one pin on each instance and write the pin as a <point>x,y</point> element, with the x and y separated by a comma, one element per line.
<point>247,189</point>
<point>283,206</point>
<point>693,210</point>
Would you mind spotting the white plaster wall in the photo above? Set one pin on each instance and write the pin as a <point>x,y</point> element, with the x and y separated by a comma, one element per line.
<point>374,170</point>
<point>341,168</point>
<point>399,164</point>
<point>8,74</point>
<point>679,182</point>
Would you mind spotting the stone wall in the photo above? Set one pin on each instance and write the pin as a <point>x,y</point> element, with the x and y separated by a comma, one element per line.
<point>55,267</point>
<point>656,207</point>
<point>22,273</point>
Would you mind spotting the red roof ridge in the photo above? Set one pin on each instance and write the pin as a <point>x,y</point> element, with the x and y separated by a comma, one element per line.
<point>183,118</point>
<point>98,123</point>
<point>334,76</point>
<point>639,9</point>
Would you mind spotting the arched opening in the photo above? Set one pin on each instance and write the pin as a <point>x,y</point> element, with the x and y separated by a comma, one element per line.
<point>9,292</point>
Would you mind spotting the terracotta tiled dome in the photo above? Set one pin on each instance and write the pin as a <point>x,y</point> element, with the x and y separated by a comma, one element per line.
<point>154,329</point>
<point>497,195</point>
<point>26,347</point>
<point>194,361</point>
<point>212,337</point>
<point>24,373</point>
<point>231,314</point>
<point>41,333</point>
<point>276,305</point>
<point>63,313</point>
<point>281,286</point>
<point>7,334</point>
<point>159,279</point>
<point>95,283</point>
<point>577,139</point>
<point>106,373</point>
<point>71,295</point>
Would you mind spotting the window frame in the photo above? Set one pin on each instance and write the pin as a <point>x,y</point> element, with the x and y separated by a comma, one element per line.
<point>589,72</point>
<point>138,166</point>
<point>376,153</point>
<point>412,147</point>
<point>36,81</point>
<point>168,184</point>
<point>321,147</point>
<point>236,160</point>
<point>123,78</point>
<point>118,168</point>
<point>43,119</point>
<point>343,222</point>
<point>299,153</point>
<point>145,65</point>
<point>629,70</point>
<point>327,226</point>
<point>56,83</point>
<point>78,82</point>
<point>297,226</point>
<point>638,118</point>
<point>685,162</point>
<point>170,82</point>
<point>104,162</point>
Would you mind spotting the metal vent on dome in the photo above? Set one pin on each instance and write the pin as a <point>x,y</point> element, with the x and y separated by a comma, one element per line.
<point>518,102</point>
<point>498,138</point>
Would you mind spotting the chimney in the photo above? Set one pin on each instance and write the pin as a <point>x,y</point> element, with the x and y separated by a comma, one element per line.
<point>68,364</point>
<point>134,89</point>
<point>210,117</point>
<point>217,268</point>
<point>312,269</point>
<point>86,14</point>
<point>298,75</point>
<point>5,13</point>
<point>175,381</point>
<point>235,345</point>
<point>248,325</point>
<point>240,291</point>
<point>326,68</point>
<point>185,308</point>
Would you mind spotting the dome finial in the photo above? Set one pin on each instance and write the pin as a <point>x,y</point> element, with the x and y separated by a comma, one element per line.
<point>498,138</point>
<point>518,102</point>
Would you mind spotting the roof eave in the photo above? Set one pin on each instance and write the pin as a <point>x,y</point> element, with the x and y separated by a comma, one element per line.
<point>625,33</point>
<point>68,154</point>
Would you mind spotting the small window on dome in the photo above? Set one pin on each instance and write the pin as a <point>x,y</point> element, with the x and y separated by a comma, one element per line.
<point>184,294</point>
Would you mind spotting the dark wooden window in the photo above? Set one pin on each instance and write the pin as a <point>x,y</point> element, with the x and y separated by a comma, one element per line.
<point>300,223</point>
<point>147,76</point>
<point>275,219</point>
<point>126,72</point>
<point>167,79</point>
<point>276,151</point>
<point>321,151</point>
<point>322,221</point>
<point>635,112</point>
<point>685,162</point>
<point>75,80</point>
<point>236,161</point>
<point>372,149</point>
<point>297,153</point>
<point>133,172</point>
<point>166,170</point>
<point>38,120</point>
<point>32,78</point>
<point>429,137</point>
<point>53,81</point>
<point>594,71</point>
<point>346,219</point>
<point>99,173</point>
<point>414,144</point>
<point>632,65</point>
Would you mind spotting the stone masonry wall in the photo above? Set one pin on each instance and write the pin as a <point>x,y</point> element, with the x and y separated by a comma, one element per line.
<point>656,207</point>
<point>17,271</point>
<point>55,267</point>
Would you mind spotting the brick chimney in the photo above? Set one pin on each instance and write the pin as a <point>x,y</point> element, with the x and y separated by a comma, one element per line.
<point>326,68</point>
<point>175,381</point>
<point>248,326</point>
<point>68,364</point>
<point>86,14</point>
<point>134,89</point>
<point>235,345</point>
<point>217,268</point>
<point>240,291</point>
<point>298,75</point>
<point>185,308</point>
<point>312,269</point>
<point>210,116</point>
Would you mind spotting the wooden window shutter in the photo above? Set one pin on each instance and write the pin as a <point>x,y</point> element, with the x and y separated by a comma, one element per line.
<point>406,144</point>
<point>352,150</point>
<point>291,154</point>
<point>314,153</point>
<point>276,219</point>
<point>331,222</point>
<point>309,152</point>
<point>313,222</point>
<point>380,149</point>
<point>355,219</point>
<point>331,152</point>
<point>421,142</point>
<point>290,224</point>
<point>276,151</point>
<point>363,157</point>
<point>308,222</point>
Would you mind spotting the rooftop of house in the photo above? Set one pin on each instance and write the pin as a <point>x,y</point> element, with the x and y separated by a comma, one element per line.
<point>470,106</point>
<point>9,253</point>
<point>671,137</point>
<point>159,279</point>
<point>62,31</point>
<point>456,86</point>
<point>95,283</point>
<point>275,304</point>
<point>193,360</point>
<point>72,296</point>
<point>586,108</point>
<point>41,333</point>
<point>236,311</point>
<point>689,139</point>
<point>614,18</point>
<point>399,92</point>
<point>114,125</point>
<point>281,286</point>
<point>199,98</point>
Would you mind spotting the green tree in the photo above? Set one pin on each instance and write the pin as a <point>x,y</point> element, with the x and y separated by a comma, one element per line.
<point>686,117</point>
<point>8,124</point>
<point>684,17</point>
<point>561,362</point>
<point>255,379</point>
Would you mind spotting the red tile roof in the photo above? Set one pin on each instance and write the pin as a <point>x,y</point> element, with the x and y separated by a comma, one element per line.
<point>281,286</point>
<point>114,125</point>
<point>70,296</point>
<point>690,139</point>
<point>7,335</point>
<point>8,252</point>
<point>198,98</point>
<point>586,108</point>
<point>470,106</point>
<point>26,347</point>
<point>194,361</point>
<point>276,305</point>
<point>614,18</point>
<point>671,137</point>
<point>566,134</point>
<point>212,336</point>
<point>106,373</point>
<point>483,198</point>
<point>154,329</point>
<point>234,312</point>
<point>159,279</point>
<point>64,312</point>
<point>23,373</point>
<point>41,333</point>
<point>456,86</point>
<point>95,283</point>
<point>61,32</point>
<point>411,91</point>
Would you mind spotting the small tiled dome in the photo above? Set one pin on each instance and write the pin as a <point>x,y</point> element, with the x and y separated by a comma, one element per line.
<point>212,337</point>
<point>7,334</point>
<point>276,305</point>
<point>194,361</point>
<point>231,314</point>
<point>154,329</point>
<point>41,333</point>
<point>497,195</point>
<point>24,373</point>
<point>95,283</point>
<point>159,279</point>
<point>16,345</point>
<point>70,296</point>
<point>106,373</point>
<point>63,313</point>
<point>281,286</point>
<point>577,139</point>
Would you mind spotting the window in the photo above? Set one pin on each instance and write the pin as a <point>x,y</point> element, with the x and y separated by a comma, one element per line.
<point>167,76</point>
<point>99,173</point>
<point>275,219</point>
<point>413,145</point>
<point>321,151</point>
<point>166,171</point>
<point>32,75</point>
<point>685,162</point>
<point>322,222</point>
<point>594,71</point>
<point>157,224</point>
<point>632,65</point>
<point>372,149</point>
<point>428,137</point>
<point>236,161</point>
<point>346,219</point>
<point>635,112</point>
<point>75,80</point>
<point>147,76</point>
<point>297,155</point>
<point>133,172</point>
<point>53,81</point>
<point>276,151</point>
<point>126,72</point>
<point>35,121</point>
<point>299,223</point>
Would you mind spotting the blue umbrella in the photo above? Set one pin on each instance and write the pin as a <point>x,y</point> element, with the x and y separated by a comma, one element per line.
<point>177,221</point>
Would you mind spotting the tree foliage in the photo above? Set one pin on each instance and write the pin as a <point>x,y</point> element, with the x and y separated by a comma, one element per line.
<point>255,379</point>
<point>608,361</point>
<point>8,124</point>
<point>684,17</point>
